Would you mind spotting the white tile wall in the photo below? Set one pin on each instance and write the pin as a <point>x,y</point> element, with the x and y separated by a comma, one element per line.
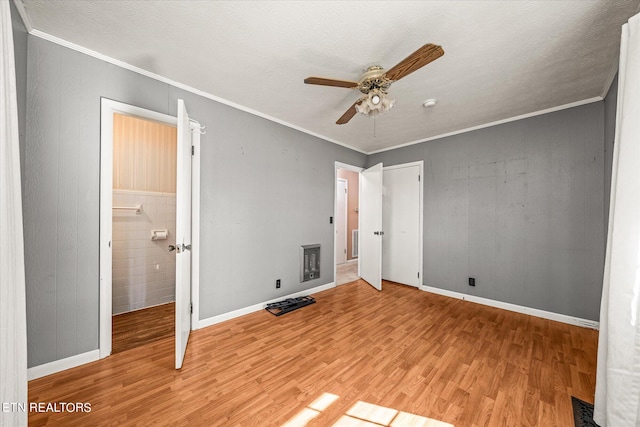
<point>144,271</point>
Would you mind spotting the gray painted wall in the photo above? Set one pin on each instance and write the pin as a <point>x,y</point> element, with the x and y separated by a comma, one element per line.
<point>610,104</point>
<point>266,190</point>
<point>520,207</point>
<point>20,55</point>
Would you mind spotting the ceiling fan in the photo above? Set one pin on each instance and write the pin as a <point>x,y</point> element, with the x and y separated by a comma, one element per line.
<point>375,82</point>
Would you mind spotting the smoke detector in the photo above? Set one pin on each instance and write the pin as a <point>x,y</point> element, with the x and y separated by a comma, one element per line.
<point>429,103</point>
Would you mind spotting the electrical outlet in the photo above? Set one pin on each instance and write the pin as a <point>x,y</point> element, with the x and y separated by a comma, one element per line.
<point>277,283</point>
<point>472,281</point>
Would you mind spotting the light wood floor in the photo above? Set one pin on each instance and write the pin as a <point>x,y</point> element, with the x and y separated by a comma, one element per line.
<point>416,355</point>
<point>140,327</point>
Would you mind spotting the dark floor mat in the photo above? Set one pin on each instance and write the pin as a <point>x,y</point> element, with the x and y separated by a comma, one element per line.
<point>281,307</point>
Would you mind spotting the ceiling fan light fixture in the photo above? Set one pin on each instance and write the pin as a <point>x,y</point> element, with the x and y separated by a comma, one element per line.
<point>375,102</point>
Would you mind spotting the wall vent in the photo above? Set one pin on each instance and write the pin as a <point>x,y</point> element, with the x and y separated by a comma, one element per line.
<point>354,243</point>
<point>309,262</point>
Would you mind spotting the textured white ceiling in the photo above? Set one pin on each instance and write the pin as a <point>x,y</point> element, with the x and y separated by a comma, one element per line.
<point>502,58</point>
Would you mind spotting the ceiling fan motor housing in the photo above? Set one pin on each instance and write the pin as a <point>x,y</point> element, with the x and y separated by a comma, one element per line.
<point>374,78</point>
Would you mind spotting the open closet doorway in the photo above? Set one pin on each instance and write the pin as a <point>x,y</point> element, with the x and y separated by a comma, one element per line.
<point>390,218</point>
<point>402,218</point>
<point>143,226</point>
<point>346,223</point>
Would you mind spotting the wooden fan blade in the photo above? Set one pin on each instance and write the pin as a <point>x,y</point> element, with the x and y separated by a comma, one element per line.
<point>418,59</point>
<point>348,115</point>
<point>330,82</point>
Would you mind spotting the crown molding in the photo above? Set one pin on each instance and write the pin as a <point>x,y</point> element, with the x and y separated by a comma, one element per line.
<point>496,123</point>
<point>116,62</point>
<point>22,11</point>
<point>121,64</point>
<point>611,76</point>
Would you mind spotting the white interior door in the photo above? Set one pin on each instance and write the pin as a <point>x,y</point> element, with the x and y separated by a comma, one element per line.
<point>183,234</point>
<point>370,216</point>
<point>402,243</point>
<point>341,221</point>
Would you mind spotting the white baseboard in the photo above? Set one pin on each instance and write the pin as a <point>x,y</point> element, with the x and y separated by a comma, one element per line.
<point>203,323</point>
<point>563,318</point>
<point>62,364</point>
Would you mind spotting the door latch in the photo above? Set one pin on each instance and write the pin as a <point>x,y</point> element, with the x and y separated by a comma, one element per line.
<point>181,247</point>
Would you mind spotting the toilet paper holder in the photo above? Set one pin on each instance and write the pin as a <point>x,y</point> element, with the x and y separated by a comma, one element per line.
<point>159,234</point>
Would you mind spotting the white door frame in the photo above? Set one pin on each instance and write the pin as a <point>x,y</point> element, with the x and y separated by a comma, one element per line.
<point>344,215</point>
<point>420,165</point>
<point>108,108</point>
<point>340,165</point>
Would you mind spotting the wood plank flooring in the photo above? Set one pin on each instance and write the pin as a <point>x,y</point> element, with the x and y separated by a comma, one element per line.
<point>140,327</point>
<point>356,357</point>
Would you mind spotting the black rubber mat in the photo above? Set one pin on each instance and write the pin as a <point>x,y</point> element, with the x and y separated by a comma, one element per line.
<point>281,307</point>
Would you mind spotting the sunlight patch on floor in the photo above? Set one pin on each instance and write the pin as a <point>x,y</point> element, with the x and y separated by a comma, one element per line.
<point>347,421</point>
<point>405,419</point>
<point>362,414</point>
<point>323,402</point>
<point>302,418</point>
<point>312,410</point>
<point>374,413</point>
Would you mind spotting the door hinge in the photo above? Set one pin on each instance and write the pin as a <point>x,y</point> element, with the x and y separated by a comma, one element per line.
<point>418,274</point>
<point>191,307</point>
<point>193,150</point>
<point>418,178</point>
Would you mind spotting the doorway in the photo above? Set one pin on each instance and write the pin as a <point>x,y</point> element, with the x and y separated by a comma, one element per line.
<point>391,224</point>
<point>402,219</point>
<point>143,225</point>
<point>342,200</point>
<point>153,236</point>
<point>346,223</point>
